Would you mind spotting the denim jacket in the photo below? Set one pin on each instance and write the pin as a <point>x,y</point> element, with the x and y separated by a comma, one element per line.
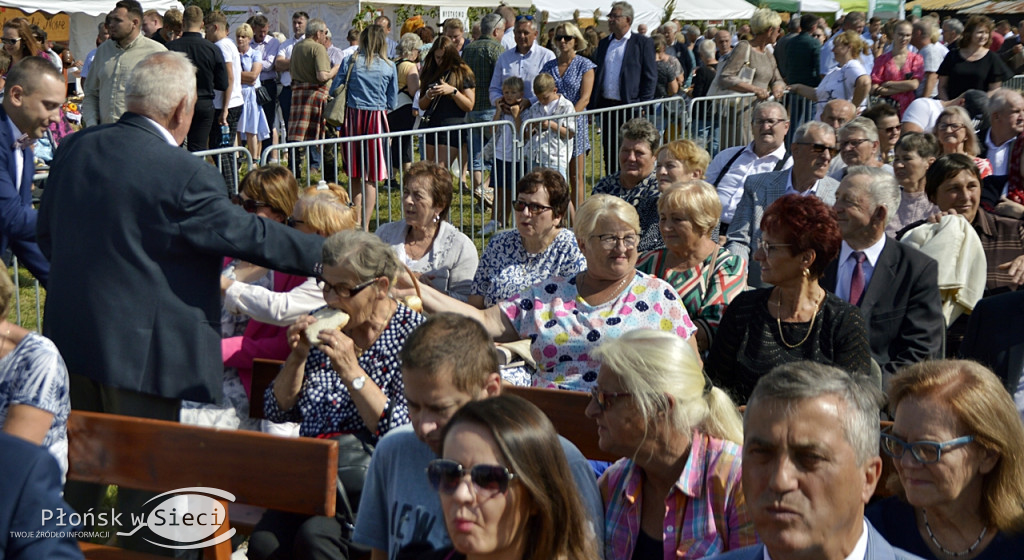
<point>370,89</point>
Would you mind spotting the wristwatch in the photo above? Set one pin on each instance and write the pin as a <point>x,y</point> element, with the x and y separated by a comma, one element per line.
<point>359,382</point>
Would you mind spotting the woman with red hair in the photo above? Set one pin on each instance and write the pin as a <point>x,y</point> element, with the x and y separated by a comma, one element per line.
<point>796,319</point>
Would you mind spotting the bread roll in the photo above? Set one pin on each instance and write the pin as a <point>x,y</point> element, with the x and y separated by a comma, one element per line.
<point>326,319</point>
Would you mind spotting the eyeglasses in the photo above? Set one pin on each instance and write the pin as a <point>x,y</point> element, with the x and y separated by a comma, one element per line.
<point>488,480</point>
<point>564,37</point>
<point>952,127</point>
<point>248,204</point>
<point>615,16</point>
<point>769,247</point>
<point>342,291</point>
<point>609,241</point>
<point>924,452</point>
<point>856,142</point>
<point>527,17</point>
<point>10,41</point>
<point>534,208</point>
<point>891,129</point>
<point>818,148</point>
<point>769,122</point>
<point>292,222</point>
<point>604,399</point>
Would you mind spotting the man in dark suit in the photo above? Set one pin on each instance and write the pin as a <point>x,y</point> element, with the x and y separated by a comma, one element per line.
<point>33,98</point>
<point>995,337</point>
<point>626,73</point>
<point>810,464</point>
<point>30,485</point>
<point>895,286</point>
<point>134,302</point>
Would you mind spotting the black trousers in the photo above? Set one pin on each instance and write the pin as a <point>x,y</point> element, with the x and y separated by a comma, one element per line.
<point>202,122</point>
<point>280,536</point>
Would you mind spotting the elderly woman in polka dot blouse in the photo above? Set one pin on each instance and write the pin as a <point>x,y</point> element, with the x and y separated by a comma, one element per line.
<point>566,318</point>
<point>349,380</point>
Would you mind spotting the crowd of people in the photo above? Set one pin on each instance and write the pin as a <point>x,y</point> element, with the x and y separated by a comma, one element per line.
<point>825,276</point>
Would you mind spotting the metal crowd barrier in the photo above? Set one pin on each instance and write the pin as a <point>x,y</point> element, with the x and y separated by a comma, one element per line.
<point>228,161</point>
<point>1016,82</point>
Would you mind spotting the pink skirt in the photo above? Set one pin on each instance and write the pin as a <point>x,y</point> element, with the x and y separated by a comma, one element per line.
<point>366,158</point>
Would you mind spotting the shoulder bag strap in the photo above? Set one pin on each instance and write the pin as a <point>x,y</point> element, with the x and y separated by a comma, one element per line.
<point>728,165</point>
<point>782,162</point>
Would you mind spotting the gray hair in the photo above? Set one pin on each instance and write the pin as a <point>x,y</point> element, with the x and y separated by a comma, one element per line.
<point>489,23</point>
<point>159,83</point>
<point>805,128</point>
<point>763,20</point>
<point>861,124</point>
<point>671,26</point>
<point>641,129</point>
<point>363,253</point>
<point>790,383</point>
<point>655,366</point>
<point>532,22</point>
<point>954,25</point>
<point>626,7</point>
<point>882,186</point>
<point>707,50</point>
<point>1000,99</point>
<point>604,205</point>
<point>410,42</point>
<point>314,25</point>
<point>763,107</point>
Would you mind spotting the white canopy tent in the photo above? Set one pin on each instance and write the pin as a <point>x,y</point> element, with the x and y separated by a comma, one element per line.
<point>83,15</point>
<point>649,12</point>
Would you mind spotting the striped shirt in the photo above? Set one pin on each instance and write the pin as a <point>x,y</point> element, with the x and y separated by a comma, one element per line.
<point>705,513</point>
<point>1003,240</point>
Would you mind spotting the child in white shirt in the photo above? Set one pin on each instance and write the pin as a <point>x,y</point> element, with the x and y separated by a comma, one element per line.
<point>549,142</point>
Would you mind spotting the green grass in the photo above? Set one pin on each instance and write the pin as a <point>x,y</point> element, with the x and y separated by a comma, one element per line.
<point>27,296</point>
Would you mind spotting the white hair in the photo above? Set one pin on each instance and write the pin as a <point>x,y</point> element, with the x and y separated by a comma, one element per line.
<point>159,83</point>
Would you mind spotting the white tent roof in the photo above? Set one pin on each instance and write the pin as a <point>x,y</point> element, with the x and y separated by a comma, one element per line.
<point>649,12</point>
<point>88,7</point>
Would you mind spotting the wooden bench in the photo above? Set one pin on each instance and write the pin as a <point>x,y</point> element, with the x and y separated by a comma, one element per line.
<point>567,411</point>
<point>293,475</point>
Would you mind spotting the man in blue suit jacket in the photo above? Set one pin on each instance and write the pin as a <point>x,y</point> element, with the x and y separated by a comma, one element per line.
<point>29,485</point>
<point>33,98</point>
<point>810,464</point>
<point>812,151</point>
<point>626,73</point>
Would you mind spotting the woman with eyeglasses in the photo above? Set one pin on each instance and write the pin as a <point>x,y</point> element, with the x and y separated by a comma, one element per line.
<point>565,318</point>
<point>505,487</point>
<point>956,444</point>
<point>796,319</point>
<point>439,254</point>
<point>18,40</point>
<point>574,79</point>
<point>849,80</point>
<point>955,132</point>
<point>681,437</point>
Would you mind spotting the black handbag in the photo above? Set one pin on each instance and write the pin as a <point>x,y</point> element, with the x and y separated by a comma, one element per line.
<point>262,95</point>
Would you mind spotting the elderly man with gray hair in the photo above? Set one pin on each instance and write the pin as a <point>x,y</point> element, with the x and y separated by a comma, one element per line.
<point>894,285</point>
<point>810,464</point>
<point>858,145</point>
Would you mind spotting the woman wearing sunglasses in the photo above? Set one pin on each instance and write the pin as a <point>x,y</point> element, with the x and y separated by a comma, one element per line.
<point>18,40</point>
<point>795,319</point>
<point>565,318</point>
<point>505,487</point>
<point>681,436</point>
<point>956,443</point>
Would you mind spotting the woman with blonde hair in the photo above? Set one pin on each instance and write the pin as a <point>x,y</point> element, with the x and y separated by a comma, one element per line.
<point>849,80</point>
<point>751,68</point>
<point>898,73</point>
<point>574,79</point>
<point>957,443</point>
<point>372,92</point>
<point>706,275</point>
<point>681,437</point>
<point>955,132</point>
<point>252,125</point>
<point>680,161</point>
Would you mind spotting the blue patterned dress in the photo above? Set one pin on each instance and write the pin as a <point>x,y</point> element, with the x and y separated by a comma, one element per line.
<point>569,86</point>
<point>34,374</point>
<point>506,269</point>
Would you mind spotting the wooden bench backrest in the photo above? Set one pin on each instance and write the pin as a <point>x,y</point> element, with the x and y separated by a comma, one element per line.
<point>566,410</point>
<point>295,475</point>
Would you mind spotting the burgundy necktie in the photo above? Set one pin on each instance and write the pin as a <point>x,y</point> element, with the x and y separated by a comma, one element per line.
<point>857,280</point>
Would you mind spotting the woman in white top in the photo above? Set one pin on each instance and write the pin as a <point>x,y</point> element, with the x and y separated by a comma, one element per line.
<point>441,255</point>
<point>849,80</point>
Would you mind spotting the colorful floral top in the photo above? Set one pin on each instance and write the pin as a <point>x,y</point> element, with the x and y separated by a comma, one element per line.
<point>324,405</point>
<point>565,328</point>
<point>643,197</point>
<point>569,85</point>
<point>885,71</point>
<point>706,289</point>
<point>705,512</point>
<point>506,268</point>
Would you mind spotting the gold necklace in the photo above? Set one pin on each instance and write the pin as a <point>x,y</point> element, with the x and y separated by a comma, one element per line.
<point>778,321</point>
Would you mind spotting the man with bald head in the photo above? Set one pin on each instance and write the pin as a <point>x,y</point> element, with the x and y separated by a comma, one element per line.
<point>838,112</point>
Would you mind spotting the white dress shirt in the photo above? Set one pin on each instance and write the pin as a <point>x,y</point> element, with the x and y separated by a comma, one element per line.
<point>844,274</point>
<point>998,156</point>
<point>613,66</point>
<point>19,155</point>
<point>859,552</point>
<point>730,188</point>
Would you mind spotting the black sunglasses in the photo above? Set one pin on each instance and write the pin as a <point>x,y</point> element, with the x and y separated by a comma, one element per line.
<point>8,41</point>
<point>488,480</point>
<point>527,17</point>
<point>564,37</point>
<point>534,208</point>
<point>819,148</point>
<point>292,222</point>
<point>248,204</point>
